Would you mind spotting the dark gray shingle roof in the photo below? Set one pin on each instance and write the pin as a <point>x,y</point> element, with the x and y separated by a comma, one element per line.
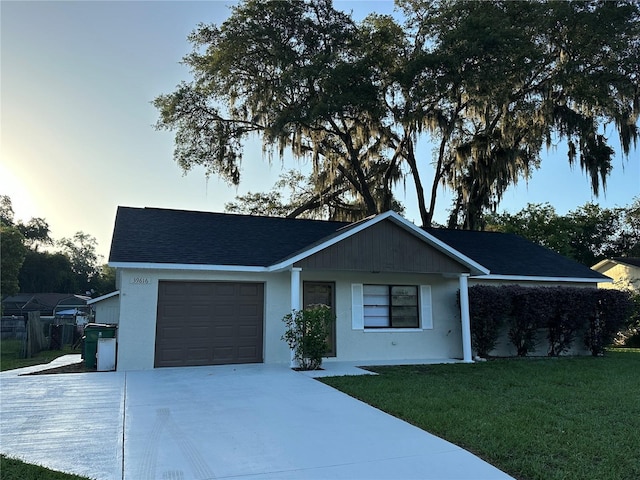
<point>633,261</point>
<point>509,254</point>
<point>152,235</point>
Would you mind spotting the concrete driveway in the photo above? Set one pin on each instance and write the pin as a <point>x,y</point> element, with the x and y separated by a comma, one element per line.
<point>239,421</point>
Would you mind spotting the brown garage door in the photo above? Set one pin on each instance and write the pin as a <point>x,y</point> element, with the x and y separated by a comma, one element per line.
<point>206,323</point>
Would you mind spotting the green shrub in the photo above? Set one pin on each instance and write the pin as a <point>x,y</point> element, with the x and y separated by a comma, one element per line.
<point>633,340</point>
<point>529,312</point>
<point>488,308</point>
<point>630,335</point>
<point>306,334</point>
<point>571,309</point>
<point>634,317</point>
<point>614,307</point>
<point>564,312</point>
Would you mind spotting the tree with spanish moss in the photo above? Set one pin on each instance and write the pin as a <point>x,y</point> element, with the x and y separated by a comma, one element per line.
<point>489,84</point>
<point>517,77</point>
<point>292,73</point>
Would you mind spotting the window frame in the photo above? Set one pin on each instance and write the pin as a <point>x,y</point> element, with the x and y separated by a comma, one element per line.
<point>389,304</point>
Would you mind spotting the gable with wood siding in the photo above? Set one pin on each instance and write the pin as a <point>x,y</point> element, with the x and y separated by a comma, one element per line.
<point>383,247</point>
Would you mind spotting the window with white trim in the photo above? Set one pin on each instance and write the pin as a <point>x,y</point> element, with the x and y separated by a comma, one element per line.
<point>391,306</point>
<point>385,307</point>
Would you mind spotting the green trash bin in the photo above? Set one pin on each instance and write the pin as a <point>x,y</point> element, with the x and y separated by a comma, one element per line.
<point>92,332</point>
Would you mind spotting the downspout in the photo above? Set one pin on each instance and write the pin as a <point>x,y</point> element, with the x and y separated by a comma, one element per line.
<point>295,302</point>
<point>465,318</point>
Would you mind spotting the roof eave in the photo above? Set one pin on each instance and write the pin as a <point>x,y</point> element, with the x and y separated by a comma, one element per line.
<point>103,297</point>
<point>533,278</point>
<point>186,266</point>
<point>603,263</point>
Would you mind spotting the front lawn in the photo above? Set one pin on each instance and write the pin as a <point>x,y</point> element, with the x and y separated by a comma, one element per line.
<point>548,418</point>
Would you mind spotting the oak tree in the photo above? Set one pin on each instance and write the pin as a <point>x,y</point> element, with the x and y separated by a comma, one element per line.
<point>491,84</point>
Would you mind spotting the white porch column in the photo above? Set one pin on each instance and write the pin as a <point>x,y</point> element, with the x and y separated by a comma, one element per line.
<point>295,288</point>
<point>464,318</point>
<point>295,299</point>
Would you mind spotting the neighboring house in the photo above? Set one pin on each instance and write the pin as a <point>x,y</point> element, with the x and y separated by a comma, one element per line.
<point>72,305</point>
<point>105,309</point>
<point>625,272</point>
<point>48,304</point>
<point>202,288</point>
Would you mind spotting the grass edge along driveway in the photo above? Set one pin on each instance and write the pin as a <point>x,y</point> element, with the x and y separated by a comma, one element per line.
<point>13,469</point>
<point>534,418</point>
<point>10,355</point>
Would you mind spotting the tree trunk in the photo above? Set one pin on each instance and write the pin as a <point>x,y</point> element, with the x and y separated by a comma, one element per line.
<point>425,215</point>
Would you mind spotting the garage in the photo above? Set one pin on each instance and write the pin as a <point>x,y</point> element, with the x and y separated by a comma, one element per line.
<point>209,323</point>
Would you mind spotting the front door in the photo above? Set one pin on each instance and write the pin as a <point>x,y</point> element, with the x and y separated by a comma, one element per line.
<point>322,293</point>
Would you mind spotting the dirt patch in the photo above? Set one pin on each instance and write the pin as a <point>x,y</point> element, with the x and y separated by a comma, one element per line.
<point>79,367</point>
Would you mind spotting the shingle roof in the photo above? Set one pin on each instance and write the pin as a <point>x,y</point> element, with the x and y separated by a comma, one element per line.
<point>152,235</point>
<point>509,254</point>
<point>27,302</point>
<point>633,261</point>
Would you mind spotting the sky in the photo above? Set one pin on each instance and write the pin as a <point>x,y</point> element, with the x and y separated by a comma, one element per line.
<point>77,79</point>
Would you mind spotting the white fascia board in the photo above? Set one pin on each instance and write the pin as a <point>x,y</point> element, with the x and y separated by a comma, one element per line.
<point>603,263</point>
<point>524,278</point>
<point>103,297</point>
<point>186,266</point>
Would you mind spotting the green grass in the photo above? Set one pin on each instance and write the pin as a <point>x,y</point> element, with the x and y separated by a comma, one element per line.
<point>553,418</point>
<point>10,355</point>
<point>12,469</point>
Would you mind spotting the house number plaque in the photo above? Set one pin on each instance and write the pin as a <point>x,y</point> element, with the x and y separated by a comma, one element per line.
<point>140,281</point>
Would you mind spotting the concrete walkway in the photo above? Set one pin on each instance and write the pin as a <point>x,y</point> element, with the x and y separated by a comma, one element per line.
<point>236,421</point>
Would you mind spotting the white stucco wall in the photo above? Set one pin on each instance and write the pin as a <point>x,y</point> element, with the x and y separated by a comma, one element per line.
<point>138,311</point>
<point>443,341</point>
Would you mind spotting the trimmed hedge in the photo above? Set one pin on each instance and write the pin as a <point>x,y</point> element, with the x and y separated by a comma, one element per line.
<point>490,309</point>
<point>530,310</point>
<point>563,312</point>
<point>567,318</point>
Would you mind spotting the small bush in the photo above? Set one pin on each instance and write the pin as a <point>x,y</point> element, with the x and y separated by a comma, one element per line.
<point>306,334</point>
